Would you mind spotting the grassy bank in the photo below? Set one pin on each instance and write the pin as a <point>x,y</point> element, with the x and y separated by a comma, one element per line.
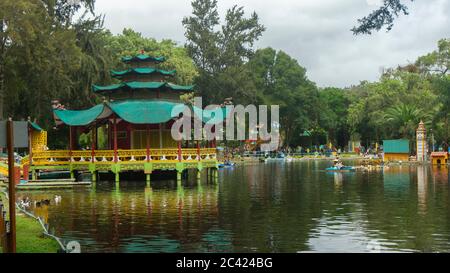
<point>30,238</point>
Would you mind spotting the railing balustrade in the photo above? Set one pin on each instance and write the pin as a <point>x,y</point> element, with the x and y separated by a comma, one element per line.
<point>62,157</point>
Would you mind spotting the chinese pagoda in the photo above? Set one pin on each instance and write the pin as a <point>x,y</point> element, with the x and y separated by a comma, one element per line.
<point>137,117</point>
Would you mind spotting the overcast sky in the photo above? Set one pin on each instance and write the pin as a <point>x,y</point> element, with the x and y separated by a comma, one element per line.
<point>315,32</point>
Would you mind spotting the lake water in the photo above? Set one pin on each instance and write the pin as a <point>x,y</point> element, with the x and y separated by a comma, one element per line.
<point>265,207</point>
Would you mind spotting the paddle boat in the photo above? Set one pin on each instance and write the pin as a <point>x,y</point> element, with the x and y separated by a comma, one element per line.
<point>227,164</point>
<point>341,169</point>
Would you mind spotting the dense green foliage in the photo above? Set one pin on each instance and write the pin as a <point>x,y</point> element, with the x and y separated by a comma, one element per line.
<point>45,54</point>
<point>220,55</point>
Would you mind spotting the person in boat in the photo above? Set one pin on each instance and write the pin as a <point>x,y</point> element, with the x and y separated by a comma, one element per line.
<point>338,164</point>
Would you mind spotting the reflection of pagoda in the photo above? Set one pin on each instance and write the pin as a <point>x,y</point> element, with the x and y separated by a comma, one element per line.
<point>137,117</point>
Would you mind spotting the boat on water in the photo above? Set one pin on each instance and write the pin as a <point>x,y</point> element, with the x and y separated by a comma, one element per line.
<point>54,175</point>
<point>278,157</point>
<point>341,169</point>
<point>227,165</point>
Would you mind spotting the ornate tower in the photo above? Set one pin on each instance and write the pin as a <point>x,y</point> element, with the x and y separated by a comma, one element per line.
<point>421,142</point>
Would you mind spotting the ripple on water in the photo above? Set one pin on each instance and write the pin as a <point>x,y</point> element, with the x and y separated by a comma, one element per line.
<point>263,207</point>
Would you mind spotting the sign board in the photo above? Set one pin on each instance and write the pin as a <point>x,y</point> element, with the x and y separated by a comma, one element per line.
<point>20,134</point>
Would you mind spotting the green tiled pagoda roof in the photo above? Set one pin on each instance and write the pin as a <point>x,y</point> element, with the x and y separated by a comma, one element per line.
<point>136,112</point>
<point>35,126</point>
<point>146,112</point>
<point>79,117</point>
<point>144,71</point>
<point>142,58</point>
<point>142,85</point>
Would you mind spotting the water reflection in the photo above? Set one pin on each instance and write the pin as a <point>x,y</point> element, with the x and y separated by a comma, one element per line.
<point>422,184</point>
<point>270,207</point>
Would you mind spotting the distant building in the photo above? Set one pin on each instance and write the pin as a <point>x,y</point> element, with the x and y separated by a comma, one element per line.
<point>439,158</point>
<point>421,143</point>
<point>396,150</point>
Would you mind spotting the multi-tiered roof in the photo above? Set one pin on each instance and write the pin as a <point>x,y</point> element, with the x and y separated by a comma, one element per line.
<point>143,79</point>
<point>145,95</point>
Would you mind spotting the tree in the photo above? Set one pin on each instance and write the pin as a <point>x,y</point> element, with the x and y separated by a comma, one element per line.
<point>384,16</point>
<point>371,102</point>
<point>38,52</point>
<point>220,52</point>
<point>436,67</point>
<point>36,58</point>
<point>438,61</point>
<point>95,62</point>
<point>203,39</point>
<point>130,42</point>
<point>280,80</point>
<point>405,118</point>
<point>333,105</point>
<point>442,119</point>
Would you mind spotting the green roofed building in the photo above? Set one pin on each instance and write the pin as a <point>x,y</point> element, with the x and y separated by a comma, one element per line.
<point>136,117</point>
<point>396,150</point>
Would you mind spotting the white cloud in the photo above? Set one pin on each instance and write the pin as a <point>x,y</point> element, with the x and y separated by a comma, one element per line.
<point>316,32</point>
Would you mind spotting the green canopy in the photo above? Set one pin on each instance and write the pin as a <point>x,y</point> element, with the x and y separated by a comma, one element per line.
<point>142,85</point>
<point>146,70</point>
<point>97,88</point>
<point>142,58</point>
<point>180,87</point>
<point>80,117</point>
<point>137,112</point>
<point>146,112</point>
<point>35,126</point>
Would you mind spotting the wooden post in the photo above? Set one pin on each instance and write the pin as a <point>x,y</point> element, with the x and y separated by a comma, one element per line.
<point>70,143</point>
<point>11,188</point>
<point>115,139</point>
<point>93,137</point>
<point>30,148</point>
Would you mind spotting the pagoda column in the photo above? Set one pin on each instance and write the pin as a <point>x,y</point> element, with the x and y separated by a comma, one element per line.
<point>179,151</point>
<point>93,142</point>
<point>148,142</point>
<point>71,151</point>
<point>70,143</point>
<point>147,175</point>
<point>115,139</point>
<point>198,151</point>
<point>199,158</point>
<point>215,135</point>
<point>160,136</point>
<point>93,147</point>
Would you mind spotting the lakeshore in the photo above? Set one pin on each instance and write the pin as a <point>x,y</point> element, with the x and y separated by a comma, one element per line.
<point>30,237</point>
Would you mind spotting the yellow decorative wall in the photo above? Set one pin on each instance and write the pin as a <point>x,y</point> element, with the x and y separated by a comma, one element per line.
<point>396,157</point>
<point>39,140</point>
